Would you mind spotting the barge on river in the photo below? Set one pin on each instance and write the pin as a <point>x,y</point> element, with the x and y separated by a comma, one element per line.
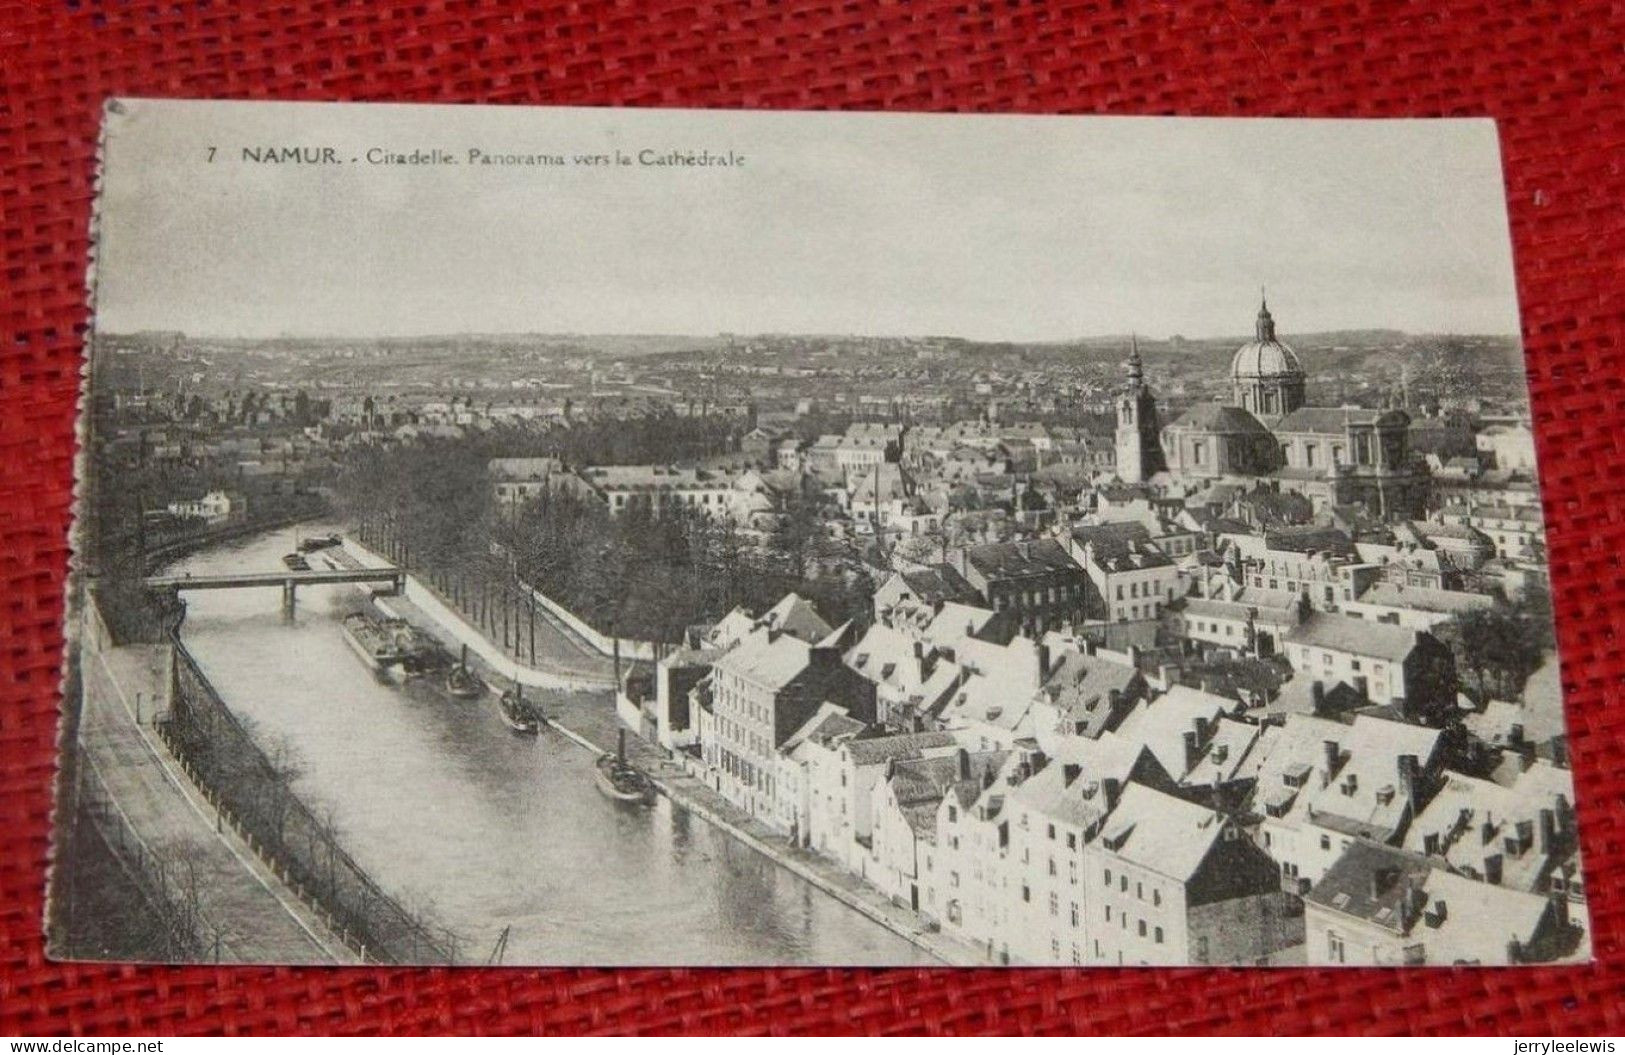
<point>392,648</point>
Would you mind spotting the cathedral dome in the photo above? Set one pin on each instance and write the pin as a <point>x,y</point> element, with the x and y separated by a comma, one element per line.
<point>1264,356</point>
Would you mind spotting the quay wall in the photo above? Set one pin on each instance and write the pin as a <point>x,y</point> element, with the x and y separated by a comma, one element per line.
<point>630,648</point>
<point>255,792</point>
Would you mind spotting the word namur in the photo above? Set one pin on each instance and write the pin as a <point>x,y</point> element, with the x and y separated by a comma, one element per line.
<point>322,155</point>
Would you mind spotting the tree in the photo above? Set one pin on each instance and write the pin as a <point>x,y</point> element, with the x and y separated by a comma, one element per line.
<point>1498,647</point>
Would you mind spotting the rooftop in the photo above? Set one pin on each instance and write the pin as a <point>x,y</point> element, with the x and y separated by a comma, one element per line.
<point>1359,637</point>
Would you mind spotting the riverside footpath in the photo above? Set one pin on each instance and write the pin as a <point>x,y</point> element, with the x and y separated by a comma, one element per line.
<point>584,712</point>
<point>255,918</point>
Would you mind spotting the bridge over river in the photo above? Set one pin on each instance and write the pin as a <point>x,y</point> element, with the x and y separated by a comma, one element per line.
<point>289,580</point>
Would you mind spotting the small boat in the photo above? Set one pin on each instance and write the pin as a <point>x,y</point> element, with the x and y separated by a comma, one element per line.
<point>296,562</point>
<point>517,712</point>
<point>461,681</point>
<point>319,542</point>
<point>621,781</point>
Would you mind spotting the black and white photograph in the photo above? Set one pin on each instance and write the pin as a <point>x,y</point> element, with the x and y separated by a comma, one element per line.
<point>564,536</point>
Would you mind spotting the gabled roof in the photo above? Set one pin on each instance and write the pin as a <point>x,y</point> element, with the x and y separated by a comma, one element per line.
<point>828,726</point>
<point>1372,883</point>
<point>1334,420</point>
<point>1220,417</point>
<point>1470,820</point>
<point>939,583</point>
<point>1016,560</point>
<point>1363,793</point>
<point>1073,792</point>
<point>1425,599</point>
<point>1161,724</point>
<point>1081,686</point>
<point>1359,637</point>
<point>796,616</point>
<point>769,660</point>
<point>878,749</point>
<point>920,784</point>
<point>1161,833</point>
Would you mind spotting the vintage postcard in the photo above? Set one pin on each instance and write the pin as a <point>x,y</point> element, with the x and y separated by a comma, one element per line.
<point>572,536</point>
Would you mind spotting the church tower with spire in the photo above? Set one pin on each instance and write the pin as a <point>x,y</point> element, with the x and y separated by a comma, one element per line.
<point>1139,433</point>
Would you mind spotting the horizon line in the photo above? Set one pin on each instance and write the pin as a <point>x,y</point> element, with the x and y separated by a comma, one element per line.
<point>688,335</point>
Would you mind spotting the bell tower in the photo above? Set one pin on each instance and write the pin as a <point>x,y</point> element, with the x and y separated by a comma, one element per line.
<point>1139,433</point>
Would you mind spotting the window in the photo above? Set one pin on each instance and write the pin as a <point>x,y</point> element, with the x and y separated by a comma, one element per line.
<point>1055,947</point>
<point>1325,842</point>
<point>1108,877</point>
<point>1052,831</point>
<point>1108,913</point>
<point>1142,928</point>
<point>1139,891</point>
<point>1054,905</point>
<point>1158,935</point>
<point>1334,947</point>
<point>1026,892</point>
<point>1074,913</point>
<point>1201,949</point>
<point>1156,897</point>
<point>1122,883</point>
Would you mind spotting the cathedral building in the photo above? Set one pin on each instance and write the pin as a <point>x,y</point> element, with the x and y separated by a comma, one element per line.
<point>1335,456</point>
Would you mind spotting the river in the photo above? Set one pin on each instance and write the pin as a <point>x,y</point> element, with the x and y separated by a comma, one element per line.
<point>450,811</point>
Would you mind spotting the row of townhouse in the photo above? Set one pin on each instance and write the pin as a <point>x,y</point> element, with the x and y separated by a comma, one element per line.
<point>1052,802</point>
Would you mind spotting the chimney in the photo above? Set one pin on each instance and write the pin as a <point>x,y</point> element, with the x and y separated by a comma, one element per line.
<point>1043,661</point>
<point>1070,772</point>
<point>1515,735</point>
<point>1411,899</point>
<point>1331,757</point>
<point>1409,780</point>
<point>1547,843</point>
<point>1192,752</point>
<point>962,759</point>
<point>1492,869</point>
<point>1317,694</point>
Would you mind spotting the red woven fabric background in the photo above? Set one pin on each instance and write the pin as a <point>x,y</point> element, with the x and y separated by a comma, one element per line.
<point>1550,75</point>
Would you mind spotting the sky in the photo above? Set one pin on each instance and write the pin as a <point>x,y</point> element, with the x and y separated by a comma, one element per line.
<point>984,227</point>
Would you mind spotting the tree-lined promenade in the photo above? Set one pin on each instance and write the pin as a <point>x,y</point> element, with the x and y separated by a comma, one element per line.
<point>430,506</point>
